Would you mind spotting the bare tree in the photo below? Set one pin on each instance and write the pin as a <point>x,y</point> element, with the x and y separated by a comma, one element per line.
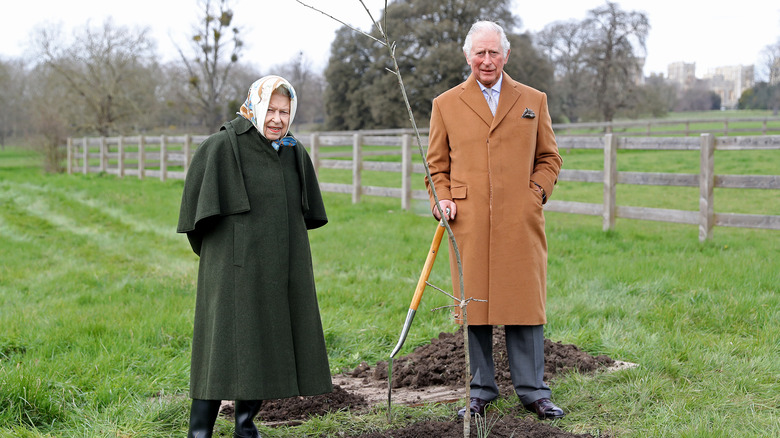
<point>242,76</point>
<point>770,66</point>
<point>106,71</point>
<point>615,35</point>
<point>13,106</point>
<point>175,97</point>
<point>310,86</point>
<point>563,43</point>
<point>49,112</point>
<point>771,55</point>
<point>216,48</point>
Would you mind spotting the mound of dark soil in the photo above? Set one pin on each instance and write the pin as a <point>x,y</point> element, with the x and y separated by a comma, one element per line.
<point>290,410</point>
<point>442,363</point>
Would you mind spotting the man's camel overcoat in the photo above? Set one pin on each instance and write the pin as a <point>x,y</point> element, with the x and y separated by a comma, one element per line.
<point>485,164</point>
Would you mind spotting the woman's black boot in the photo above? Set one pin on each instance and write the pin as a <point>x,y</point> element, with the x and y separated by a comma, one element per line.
<point>203,415</point>
<point>246,410</point>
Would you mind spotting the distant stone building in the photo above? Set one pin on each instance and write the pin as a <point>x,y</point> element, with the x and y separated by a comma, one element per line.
<point>682,74</point>
<point>729,82</point>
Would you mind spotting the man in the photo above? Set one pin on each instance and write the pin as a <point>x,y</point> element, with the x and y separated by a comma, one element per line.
<point>494,161</point>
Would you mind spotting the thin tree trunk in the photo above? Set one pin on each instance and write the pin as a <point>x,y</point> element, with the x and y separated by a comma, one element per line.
<point>463,303</point>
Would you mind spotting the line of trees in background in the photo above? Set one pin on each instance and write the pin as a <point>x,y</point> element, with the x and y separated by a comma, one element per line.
<point>589,69</point>
<point>106,79</point>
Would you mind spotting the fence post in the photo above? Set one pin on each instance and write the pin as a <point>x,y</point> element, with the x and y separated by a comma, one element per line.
<point>610,182</point>
<point>406,171</point>
<point>69,164</point>
<point>85,170</point>
<point>103,155</point>
<point>357,166</point>
<point>141,156</point>
<point>315,152</point>
<point>120,163</point>
<point>163,157</point>
<point>706,186</point>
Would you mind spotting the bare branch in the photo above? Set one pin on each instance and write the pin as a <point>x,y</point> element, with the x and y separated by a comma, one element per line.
<point>441,290</point>
<point>345,24</point>
<point>378,26</point>
<point>385,15</point>
<point>445,307</point>
<point>462,304</point>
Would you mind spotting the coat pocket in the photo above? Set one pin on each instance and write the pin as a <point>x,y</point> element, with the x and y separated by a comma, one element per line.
<point>239,245</point>
<point>459,192</point>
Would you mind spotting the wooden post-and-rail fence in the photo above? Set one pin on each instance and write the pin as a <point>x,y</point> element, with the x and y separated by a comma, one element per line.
<point>167,157</point>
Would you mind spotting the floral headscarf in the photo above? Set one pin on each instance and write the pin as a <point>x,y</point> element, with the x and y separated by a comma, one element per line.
<point>259,97</point>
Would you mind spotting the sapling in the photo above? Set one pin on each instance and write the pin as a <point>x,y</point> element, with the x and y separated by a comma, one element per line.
<point>463,302</point>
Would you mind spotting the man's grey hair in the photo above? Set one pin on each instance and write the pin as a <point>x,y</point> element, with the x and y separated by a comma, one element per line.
<point>481,26</point>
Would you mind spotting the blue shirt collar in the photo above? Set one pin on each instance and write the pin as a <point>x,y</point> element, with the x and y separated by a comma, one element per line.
<point>496,86</point>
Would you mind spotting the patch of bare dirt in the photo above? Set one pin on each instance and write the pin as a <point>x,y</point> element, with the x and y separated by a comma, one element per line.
<point>508,426</point>
<point>435,373</point>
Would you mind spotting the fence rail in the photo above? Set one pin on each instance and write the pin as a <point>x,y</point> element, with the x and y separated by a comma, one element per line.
<point>168,157</point>
<point>692,127</point>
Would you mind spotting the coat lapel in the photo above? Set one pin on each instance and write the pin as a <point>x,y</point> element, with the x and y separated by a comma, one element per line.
<point>472,96</point>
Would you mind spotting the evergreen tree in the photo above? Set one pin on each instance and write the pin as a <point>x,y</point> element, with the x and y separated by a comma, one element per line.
<point>350,61</point>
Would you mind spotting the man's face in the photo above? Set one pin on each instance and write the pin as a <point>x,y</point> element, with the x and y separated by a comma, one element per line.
<point>487,58</point>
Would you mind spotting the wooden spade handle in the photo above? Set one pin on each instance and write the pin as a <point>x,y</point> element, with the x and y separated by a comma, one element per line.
<point>426,271</point>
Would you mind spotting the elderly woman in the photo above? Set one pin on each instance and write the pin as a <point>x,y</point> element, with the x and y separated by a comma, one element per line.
<point>249,198</point>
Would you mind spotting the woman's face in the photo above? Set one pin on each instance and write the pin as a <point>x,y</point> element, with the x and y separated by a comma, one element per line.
<point>278,117</point>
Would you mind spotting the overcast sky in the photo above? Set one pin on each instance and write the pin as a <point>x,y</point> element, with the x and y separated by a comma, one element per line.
<point>711,34</point>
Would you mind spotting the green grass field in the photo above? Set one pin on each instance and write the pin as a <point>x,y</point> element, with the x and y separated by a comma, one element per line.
<point>694,122</point>
<point>97,301</point>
